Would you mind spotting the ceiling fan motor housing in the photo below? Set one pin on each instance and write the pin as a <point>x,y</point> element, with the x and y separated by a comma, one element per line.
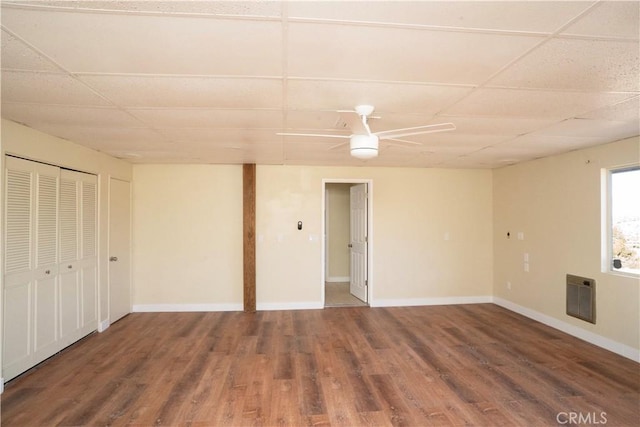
<point>364,146</point>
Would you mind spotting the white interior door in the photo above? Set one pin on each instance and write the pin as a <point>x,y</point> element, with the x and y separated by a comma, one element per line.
<point>119,249</point>
<point>358,241</point>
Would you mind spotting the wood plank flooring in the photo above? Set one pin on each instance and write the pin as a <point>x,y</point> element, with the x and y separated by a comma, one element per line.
<point>477,365</point>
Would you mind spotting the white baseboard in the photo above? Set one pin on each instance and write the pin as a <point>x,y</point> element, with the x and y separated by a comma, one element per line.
<point>1,385</point>
<point>409,302</point>
<point>338,279</point>
<point>590,337</point>
<point>104,325</point>
<point>270,306</point>
<point>160,308</point>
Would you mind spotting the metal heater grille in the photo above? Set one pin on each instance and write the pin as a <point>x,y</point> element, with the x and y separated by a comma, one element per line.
<point>581,298</point>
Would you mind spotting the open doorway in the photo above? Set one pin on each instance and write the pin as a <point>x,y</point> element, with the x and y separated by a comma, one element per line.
<point>346,243</point>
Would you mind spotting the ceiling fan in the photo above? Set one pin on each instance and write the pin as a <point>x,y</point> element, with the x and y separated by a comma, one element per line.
<point>362,142</point>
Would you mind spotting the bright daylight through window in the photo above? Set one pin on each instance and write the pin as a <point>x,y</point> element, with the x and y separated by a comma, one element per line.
<point>624,236</point>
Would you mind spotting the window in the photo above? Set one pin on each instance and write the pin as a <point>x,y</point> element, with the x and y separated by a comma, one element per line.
<point>623,234</point>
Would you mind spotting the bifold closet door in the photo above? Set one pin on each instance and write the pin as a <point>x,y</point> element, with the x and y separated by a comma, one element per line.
<point>30,308</point>
<point>77,269</point>
<point>50,280</point>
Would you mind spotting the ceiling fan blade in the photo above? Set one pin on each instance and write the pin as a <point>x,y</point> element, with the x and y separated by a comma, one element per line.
<point>313,135</point>
<point>403,141</point>
<point>333,147</point>
<point>418,130</point>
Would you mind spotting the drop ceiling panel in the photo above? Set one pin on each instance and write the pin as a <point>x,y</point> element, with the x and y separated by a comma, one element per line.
<point>610,19</point>
<point>222,137</point>
<point>374,53</point>
<point>213,82</point>
<point>486,15</point>
<point>587,65</point>
<point>532,104</point>
<point>257,8</point>
<point>386,97</point>
<point>591,128</point>
<point>207,118</point>
<point>18,56</point>
<point>112,43</point>
<point>185,92</point>
<point>538,145</point>
<point>46,88</point>
<point>110,138</point>
<point>36,115</point>
<point>496,125</point>
<point>628,110</point>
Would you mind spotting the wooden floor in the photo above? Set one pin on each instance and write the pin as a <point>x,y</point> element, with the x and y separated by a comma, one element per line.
<point>475,365</point>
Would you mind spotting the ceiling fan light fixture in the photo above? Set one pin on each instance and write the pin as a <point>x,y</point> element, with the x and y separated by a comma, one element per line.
<point>364,146</point>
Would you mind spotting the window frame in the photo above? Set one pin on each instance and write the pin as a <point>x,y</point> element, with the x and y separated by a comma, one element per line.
<point>607,220</point>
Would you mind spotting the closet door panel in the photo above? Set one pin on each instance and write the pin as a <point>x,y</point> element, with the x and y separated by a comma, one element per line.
<point>45,334</point>
<point>69,313</point>
<point>30,247</point>
<point>45,318</point>
<point>89,318</point>
<point>87,261</point>
<point>17,334</point>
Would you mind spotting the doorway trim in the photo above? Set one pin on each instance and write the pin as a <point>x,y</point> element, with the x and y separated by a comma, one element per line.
<point>370,241</point>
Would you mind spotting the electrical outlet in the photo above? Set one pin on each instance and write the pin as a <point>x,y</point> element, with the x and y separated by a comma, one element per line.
<point>508,286</point>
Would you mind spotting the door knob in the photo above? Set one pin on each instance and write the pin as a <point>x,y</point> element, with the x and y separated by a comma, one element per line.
<point>113,258</point>
<point>350,245</point>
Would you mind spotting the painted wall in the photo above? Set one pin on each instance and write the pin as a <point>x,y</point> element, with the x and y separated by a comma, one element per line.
<point>187,229</point>
<point>414,210</point>
<point>30,144</point>
<point>188,235</point>
<point>337,232</point>
<point>556,203</point>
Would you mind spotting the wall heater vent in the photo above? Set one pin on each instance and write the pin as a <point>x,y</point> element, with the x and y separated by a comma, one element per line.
<point>581,298</point>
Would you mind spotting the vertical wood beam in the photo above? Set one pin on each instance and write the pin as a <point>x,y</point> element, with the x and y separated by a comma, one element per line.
<point>249,236</point>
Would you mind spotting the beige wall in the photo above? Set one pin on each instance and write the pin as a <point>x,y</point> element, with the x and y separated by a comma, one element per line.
<point>188,234</point>
<point>31,144</point>
<point>337,231</point>
<point>413,211</point>
<point>556,203</point>
<point>187,226</point>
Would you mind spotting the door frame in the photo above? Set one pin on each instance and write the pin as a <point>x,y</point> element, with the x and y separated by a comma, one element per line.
<point>370,240</point>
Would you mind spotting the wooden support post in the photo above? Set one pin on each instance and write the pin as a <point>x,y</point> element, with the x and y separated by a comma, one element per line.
<point>249,235</point>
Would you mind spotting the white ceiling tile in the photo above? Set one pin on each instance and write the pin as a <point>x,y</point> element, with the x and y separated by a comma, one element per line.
<point>36,115</point>
<point>185,92</point>
<point>532,104</point>
<point>539,145</point>
<point>496,125</point>
<point>201,118</point>
<point>257,8</point>
<point>569,64</point>
<point>628,110</point>
<point>609,129</point>
<point>46,88</point>
<point>492,15</point>
<point>111,43</point>
<point>221,137</point>
<point>110,138</point>
<point>386,97</point>
<point>610,19</point>
<point>18,56</point>
<point>374,53</point>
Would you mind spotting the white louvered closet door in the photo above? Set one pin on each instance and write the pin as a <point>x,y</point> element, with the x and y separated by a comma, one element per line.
<point>31,265</point>
<point>78,271</point>
<point>50,287</point>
